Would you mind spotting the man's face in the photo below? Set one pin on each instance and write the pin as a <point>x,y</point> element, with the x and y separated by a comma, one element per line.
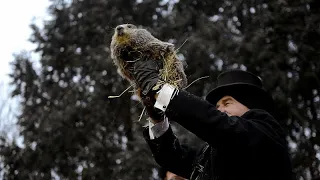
<point>172,176</point>
<point>231,107</point>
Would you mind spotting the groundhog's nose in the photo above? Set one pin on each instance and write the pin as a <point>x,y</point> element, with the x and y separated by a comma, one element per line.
<point>119,30</point>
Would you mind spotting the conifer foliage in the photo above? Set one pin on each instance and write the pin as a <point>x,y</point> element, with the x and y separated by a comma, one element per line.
<point>70,128</point>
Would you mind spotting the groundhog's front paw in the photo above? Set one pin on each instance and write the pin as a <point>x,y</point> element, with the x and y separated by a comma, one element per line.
<point>169,47</point>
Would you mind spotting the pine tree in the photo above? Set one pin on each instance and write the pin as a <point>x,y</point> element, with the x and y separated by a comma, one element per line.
<point>71,129</point>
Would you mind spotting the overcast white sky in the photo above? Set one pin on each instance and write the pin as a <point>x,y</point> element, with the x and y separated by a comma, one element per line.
<point>15,18</point>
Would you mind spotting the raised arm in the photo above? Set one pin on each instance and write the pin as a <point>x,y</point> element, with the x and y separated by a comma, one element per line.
<point>217,128</point>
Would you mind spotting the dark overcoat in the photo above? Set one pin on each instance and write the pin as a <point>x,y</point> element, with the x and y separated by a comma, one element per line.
<point>250,147</point>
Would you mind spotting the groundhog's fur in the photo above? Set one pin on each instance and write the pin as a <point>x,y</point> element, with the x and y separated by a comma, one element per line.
<point>130,44</point>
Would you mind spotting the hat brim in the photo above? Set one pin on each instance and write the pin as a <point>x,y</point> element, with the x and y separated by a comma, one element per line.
<point>248,90</point>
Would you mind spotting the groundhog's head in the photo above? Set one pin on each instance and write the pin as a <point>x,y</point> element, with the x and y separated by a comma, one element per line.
<point>124,32</point>
<point>123,29</point>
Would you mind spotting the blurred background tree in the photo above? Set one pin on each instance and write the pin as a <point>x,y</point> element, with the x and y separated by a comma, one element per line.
<point>71,130</point>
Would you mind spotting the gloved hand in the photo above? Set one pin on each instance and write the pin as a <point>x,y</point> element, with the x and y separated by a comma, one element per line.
<point>146,75</point>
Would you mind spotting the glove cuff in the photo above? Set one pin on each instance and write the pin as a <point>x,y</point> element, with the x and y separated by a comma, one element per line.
<point>166,93</point>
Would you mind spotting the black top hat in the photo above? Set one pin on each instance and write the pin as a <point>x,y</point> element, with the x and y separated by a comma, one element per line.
<point>245,87</point>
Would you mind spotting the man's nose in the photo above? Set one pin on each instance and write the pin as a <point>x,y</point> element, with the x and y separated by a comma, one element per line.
<point>220,108</point>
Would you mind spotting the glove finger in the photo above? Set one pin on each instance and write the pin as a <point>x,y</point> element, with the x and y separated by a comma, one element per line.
<point>144,78</point>
<point>149,85</point>
<point>146,65</point>
<point>152,64</point>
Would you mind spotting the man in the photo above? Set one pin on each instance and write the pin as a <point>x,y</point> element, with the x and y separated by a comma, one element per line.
<point>243,140</point>
<point>172,176</point>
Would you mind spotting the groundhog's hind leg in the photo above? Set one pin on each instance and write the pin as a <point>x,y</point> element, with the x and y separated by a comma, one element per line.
<point>169,47</point>
<point>183,77</point>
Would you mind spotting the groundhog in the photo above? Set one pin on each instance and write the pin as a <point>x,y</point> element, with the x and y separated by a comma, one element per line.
<point>130,44</point>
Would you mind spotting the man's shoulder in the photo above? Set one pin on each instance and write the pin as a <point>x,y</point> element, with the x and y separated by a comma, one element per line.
<point>263,117</point>
<point>266,120</point>
<point>258,114</point>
